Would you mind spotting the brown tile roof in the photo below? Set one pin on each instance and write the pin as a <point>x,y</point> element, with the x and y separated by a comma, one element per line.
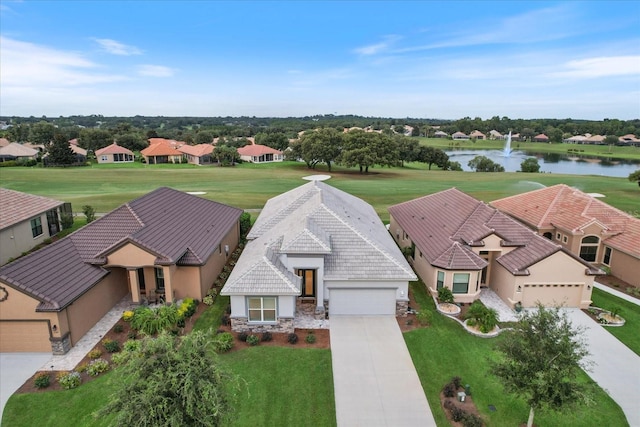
<point>196,150</point>
<point>570,209</point>
<point>17,207</point>
<point>445,225</point>
<point>113,149</point>
<point>257,150</point>
<point>160,149</point>
<point>177,227</point>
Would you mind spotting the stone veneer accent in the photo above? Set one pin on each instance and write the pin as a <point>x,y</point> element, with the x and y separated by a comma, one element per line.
<point>241,324</point>
<point>401,308</point>
<point>60,346</point>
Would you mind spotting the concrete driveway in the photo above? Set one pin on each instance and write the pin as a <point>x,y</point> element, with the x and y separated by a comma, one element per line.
<point>15,369</point>
<point>375,382</point>
<point>614,366</point>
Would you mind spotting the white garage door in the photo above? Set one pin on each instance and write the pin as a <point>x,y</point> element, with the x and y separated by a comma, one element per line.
<point>552,295</point>
<point>359,302</point>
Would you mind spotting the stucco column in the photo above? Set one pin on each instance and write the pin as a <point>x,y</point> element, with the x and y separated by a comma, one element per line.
<point>134,286</point>
<point>168,285</point>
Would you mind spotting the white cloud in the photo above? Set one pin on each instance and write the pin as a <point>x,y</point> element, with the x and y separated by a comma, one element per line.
<point>30,65</point>
<point>377,47</point>
<point>116,48</point>
<point>604,66</point>
<point>149,70</point>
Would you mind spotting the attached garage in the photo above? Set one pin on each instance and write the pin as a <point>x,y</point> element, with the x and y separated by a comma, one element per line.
<point>24,336</point>
<point>362,302</point>
<point>552,295</point>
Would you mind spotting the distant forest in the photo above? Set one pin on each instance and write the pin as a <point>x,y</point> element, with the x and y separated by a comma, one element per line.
<point>195,130</point>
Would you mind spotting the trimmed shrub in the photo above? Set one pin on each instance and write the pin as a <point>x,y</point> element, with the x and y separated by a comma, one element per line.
<point>471,420</point>
<point>253,339</point>
<point>118,328</point>
<point>111,346</point>
<point>225,320</point>
<point>266,336</point>
<point>445,295</point>
<point>457,382</point>
<point>242,336</point>
<point>94,354</point>
<point>127,316</point>
<point>478,314</point>
<point>97,367</point>
<point>311,338</point>
<point>120,358</point>
<point>223,342</point>
<point>42,380</point>
<point>457,414</point>
<point>82,367</point>
<point>449,390</point>
<point>292,338</point>
<point>69,380</point>
<point>208,300</point>
<point>132,335</point>
<point>131,345</point>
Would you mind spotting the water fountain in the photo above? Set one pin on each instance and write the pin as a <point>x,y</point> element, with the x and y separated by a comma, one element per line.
<point>507,146</point>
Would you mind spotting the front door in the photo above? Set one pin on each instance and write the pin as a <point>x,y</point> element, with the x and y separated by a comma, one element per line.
<point>308,282</point>
<point>141,281</point>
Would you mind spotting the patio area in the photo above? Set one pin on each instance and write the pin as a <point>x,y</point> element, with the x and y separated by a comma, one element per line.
<point>305,318</point>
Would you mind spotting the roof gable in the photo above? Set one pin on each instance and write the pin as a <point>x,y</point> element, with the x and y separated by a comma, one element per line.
<point>18,206</point>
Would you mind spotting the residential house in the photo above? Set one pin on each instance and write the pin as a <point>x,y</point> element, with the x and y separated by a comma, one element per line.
<point>320,246</point>
<point>578,139</point>
<point>463,244</point>
<point>201,154</point>
<point>440,134</point>
<point>541,138</point>
<point>459,135</point>
<point>162,151</point>
<point>583,224</point>
<point>114,153</point>
<point>166,245</point>
<point>17,152</point>
<point>494,134</point>
<point>81,153</point>
<point>26,220</point>
<point>256,153</point>
<point>629,139</point>
<point>595,139</point>
<point>476,134</point>
<point>4,142</point>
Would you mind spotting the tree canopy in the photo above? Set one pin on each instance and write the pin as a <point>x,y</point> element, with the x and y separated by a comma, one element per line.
<point>60,153</point>
<point>484,164</point>
<point>530,164</point>
<point>366,149</point>
<point>540,360</point>
<point>635,176</point>
<point>431,155</point>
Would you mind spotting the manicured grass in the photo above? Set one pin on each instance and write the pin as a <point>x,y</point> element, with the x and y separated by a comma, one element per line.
<point>248,186</point>
<point>445,350</point>
<point>211,318</point>
<point>627,334</point>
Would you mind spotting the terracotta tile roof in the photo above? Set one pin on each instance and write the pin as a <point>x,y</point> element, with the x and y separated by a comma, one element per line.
<point>160,149</point>
<point>17,207</point>
<point>78,150</point>
<point>177,227</point>
<point>17,150</point>
<point>445,226</point>
<point>570,209</point>
<point>113,149</point>
<point>257,150</point>
<point>4,142</point>
<point>73,141</point>
<point>196,150</point>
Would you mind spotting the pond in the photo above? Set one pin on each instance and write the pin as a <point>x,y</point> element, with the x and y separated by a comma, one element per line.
<point>573,164</point>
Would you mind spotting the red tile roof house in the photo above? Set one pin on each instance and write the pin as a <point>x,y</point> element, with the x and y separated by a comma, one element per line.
<point>162,151</point>
<point>541,138</point>
<point>584,225</point>
<point>256,153</point>
<point>476,134</point>
<point>26,220</point>
<point>166,243</point>
<point>463,244</point>
<point>321,247</point>
<point>200,154</point>
<point>114,154</point>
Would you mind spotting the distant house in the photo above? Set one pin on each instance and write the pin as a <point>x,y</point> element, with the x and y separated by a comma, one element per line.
<point>38,147</point>
<point>81,153</point>
<point>629,139</point>
<point>440,134</point>
<point>4,142</point>
<point>460,135</point>
<point>541,138</point>
<point>494,134</point>
<point>26,220</point>
<point>318,247</point>
<point>256,153</point>
<point>200,154</point>
<point>595,139</point>
<point>476,134</point>
<point>463,244</point>
<point>166,245</point>
<point>114,154</point>
<point>15,151</point>
<point>162,151</point>
<point>578,139</point>
<point>584,225</point>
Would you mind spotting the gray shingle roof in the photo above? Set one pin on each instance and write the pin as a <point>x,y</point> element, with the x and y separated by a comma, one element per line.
<point>177,227</point>
<point>445,225</point>
<point>316,218</point>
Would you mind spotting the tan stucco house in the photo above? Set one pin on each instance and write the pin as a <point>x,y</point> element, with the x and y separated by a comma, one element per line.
<point>167,242</point>
<point>256,153</point>
<point>463,244</point>
<point>201,154</point>
<point>583,224</point>
<point>114,153</point>
<point>26,220</point>
<point>320,246</point>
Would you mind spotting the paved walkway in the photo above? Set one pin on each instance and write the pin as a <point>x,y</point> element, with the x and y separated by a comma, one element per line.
<point>490,299</point>
<point>375,382</point>
<point>614,366</point>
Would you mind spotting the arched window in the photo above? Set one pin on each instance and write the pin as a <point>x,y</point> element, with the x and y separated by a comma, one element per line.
<point>589,248</point>
<point>548,235</point>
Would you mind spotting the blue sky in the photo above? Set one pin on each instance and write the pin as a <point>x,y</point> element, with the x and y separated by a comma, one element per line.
<point>392,59</point>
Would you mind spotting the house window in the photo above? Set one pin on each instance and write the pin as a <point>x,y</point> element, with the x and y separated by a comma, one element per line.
<point>159,279</point>
<point>36,227</point>
<point>308,282</point>
<point>607,256</point>
<point>440,282</point>
<point>565,239</point>
<point>262,309</point>
<point>104,158</point>
<point>589,248</point>
<point>461,283</point>
<point>558,235</point>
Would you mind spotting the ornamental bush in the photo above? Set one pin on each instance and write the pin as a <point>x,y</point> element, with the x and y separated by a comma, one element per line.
<point>97,367</point>
<point>42,380</point>
<point>253,340</point>
<point>292,338</point>
<point>94,354</point>
<point>131,345</point>
<point>223,342</point>
<point>111,346</point>
<point>266,336</point>
<point>311,338</point>
<point>69,380</point>
<point>127,316</point>
<point>445,295</point>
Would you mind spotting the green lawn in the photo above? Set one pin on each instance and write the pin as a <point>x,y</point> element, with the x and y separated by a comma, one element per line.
<point>248,186</point>
<point>444,350</point>
<point>627,334</point>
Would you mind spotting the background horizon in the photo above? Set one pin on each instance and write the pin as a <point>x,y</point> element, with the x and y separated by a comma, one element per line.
<point>441,60</point>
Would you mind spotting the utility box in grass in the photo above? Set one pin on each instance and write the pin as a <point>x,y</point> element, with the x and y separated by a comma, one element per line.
<point>461,396</point>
